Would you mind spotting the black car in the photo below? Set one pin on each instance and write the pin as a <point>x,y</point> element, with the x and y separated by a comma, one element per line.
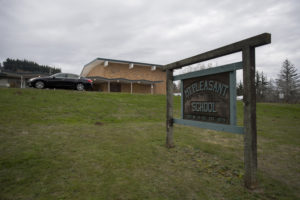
<point>62,80</point>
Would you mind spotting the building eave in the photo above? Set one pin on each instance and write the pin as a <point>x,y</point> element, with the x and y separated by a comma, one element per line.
<point>128,62</point>
<point>94,62</point>
<point>122,80</point>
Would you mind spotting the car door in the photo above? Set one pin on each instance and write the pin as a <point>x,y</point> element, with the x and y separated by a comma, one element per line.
<point>71,80</point>
<point>57,80</point>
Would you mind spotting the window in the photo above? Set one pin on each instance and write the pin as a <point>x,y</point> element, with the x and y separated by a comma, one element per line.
<point>60,75</point>
<point>74,76</point>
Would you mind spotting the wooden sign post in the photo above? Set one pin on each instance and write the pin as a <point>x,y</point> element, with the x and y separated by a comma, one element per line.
<point>206,95</point>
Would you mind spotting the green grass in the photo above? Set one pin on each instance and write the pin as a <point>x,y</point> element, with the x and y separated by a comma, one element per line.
<point>85,145</point>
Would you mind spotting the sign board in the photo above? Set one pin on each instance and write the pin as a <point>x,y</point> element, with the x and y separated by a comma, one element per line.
<point>207,98</point>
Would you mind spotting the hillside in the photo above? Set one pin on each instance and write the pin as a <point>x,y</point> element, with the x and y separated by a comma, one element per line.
<point>57,144</point>
<point>12,65</point>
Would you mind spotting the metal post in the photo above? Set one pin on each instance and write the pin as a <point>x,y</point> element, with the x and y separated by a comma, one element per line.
<point>108,86</point>
<point>151,88</point>
<point>130,87</point>
<point>169,139</point>
<point>21,85</point>
<point>250,137</point>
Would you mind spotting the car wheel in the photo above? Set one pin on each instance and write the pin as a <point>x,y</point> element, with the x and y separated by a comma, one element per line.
<point>80,87</point>
<point>39,84</point>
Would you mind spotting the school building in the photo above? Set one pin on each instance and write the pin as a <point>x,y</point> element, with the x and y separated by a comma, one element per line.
<point>111,75</point>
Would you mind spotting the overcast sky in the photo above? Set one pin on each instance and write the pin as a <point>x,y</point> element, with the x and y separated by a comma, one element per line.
<point>70,33</point>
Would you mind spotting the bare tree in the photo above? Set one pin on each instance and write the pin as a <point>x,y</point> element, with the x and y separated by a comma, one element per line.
<point>288,82</point>
<point>261,84</point>
<point>176,87</point>
<point>271,91</point>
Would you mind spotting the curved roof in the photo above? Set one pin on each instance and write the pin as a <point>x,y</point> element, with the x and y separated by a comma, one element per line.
<point>88,67</point>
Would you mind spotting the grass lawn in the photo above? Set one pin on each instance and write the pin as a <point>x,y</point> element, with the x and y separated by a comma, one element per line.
<point>57,144</point>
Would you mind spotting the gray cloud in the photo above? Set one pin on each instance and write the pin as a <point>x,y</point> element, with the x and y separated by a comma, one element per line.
<point>69,34</point>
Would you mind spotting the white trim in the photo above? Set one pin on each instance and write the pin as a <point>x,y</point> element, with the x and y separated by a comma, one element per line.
<point>105,63</point>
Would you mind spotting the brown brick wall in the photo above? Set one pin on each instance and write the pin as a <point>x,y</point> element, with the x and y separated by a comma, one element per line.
<point>103,87</point>
<point>116,70</point>
<point>125,87</point>
<point>140,88</point>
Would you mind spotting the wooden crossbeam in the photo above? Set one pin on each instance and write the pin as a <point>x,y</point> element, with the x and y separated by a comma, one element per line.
<point>255,41</point>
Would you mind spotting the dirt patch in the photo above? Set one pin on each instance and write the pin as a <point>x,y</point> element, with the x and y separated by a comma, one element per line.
<point>98,123</point>
<point>18,93</point>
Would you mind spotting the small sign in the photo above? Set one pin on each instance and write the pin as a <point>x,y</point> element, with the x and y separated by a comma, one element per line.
<point>207,98</point>
<point>281,96</point>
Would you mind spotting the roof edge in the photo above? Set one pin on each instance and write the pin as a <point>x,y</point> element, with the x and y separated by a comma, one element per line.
<point>120,61</point>
<point>124,61</point>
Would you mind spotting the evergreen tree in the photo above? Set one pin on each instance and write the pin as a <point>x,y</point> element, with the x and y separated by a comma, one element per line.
<point>27,66</point>
<point>240,89</point>
<point>288,82</point>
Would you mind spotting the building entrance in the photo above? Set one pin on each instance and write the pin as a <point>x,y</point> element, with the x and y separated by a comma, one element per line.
<point>115,87</point>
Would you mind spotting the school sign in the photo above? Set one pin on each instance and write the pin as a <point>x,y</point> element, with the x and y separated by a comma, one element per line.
<point>208,97</point>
